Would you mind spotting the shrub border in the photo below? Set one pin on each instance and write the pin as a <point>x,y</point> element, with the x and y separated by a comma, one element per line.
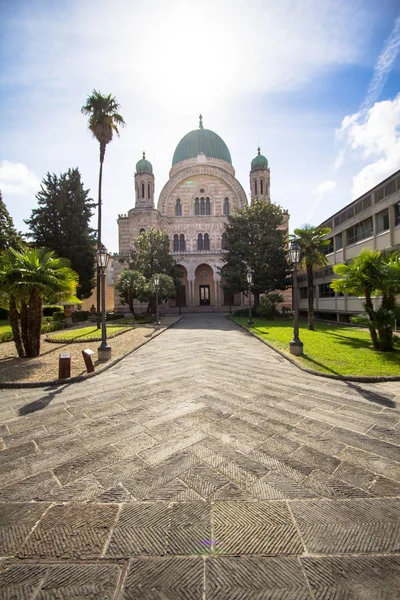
<point>86,340</point>
<point>358,378</point>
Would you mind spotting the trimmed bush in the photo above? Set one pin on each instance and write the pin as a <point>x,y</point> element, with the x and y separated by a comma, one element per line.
<point>80,315</point>
<point>241,312</point>
<point>58,316</point>
<point>111,316</point>
<point>48,311</point>
<point>7,336</point>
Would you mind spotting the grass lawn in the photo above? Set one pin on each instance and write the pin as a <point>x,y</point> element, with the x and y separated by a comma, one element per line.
<point>4,326</point>
<point>85,334</point>
<point>330,348</point>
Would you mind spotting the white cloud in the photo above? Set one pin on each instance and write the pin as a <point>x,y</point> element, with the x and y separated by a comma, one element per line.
<point>16,179</point>
<point>376,136</point>
<point>384,65</point>
<point>325,187</point>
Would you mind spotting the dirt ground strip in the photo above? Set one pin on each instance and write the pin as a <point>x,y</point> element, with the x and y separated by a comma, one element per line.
<point>45,367</point>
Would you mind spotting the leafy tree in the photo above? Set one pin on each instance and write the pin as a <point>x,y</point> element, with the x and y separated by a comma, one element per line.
<point>313,242</point>
<point>254,238</point>
<point>369,274</point>
<point>61,223</point>
<point>166,290</point>
<point>130,285</point>
<point>151,254</point>
<point>104,121</point>
<point>9,237</point>
<point>28,277</point>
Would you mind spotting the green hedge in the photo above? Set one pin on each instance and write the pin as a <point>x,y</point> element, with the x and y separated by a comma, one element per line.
<point>80,315</point>
<point>48,311</point>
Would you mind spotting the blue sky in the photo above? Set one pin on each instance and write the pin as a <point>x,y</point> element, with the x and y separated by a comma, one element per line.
<point>315,83</point>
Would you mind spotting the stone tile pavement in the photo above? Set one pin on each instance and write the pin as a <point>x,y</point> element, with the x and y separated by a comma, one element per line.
<point>203,466</point>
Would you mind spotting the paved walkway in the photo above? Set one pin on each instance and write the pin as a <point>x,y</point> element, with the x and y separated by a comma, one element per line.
<point>203,466</point>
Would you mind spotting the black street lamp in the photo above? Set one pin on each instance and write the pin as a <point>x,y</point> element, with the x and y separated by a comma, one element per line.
<point>296,345</point>
<point>250,282</point>
<point>156,285</point>
<point>104,350</point>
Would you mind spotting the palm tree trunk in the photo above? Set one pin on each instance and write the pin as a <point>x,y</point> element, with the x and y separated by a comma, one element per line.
<point>24,327</point>
<point>310,294</point>
<point>369,309</point>
<point>98,279</point>
<point>14,322</point>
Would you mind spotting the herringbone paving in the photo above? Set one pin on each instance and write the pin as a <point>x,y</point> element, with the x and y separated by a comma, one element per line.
<point>203,466</point>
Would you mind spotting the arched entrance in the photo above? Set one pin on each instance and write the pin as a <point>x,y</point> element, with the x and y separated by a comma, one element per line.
<point>204,292</point>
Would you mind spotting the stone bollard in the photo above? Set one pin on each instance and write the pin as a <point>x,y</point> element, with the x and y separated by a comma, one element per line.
<point>64,365</point>
<point>87,356</point>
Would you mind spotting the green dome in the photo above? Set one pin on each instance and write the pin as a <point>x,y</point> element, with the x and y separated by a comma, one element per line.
<point>259,162</point>
<point>201,140</point>
<point>144,166</point>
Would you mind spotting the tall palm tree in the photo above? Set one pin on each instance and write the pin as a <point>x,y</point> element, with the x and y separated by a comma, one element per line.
<point>104,121</point>
<point>28,277</point>
<point>313,242</point>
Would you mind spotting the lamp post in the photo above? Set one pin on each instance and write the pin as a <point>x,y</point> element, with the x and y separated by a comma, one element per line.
<point>250,282</point>
<point>296,345</point>
<point>156,285</point>
<point>104,350</point>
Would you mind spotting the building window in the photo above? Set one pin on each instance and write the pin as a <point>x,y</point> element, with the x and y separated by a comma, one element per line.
<point>261,186</point>
<point>202,206</point>
<point>255,187</point>
<point>303,291</point>
<point>196,207</point>
<point>176,243</point>
<point>360,231</point>
<point>148,191</point>
<point>397,213</point>
<point>226,206</point>
<point>142,231</point>
<point>182,245</point>
<point>224,245</point>
<point>325,290</point>
<point>329,249</point>
<point>142,190</point>
<point>178,208</point>
<point>208,206</point>
<point>382,221</point>
<point>206,241</point>
<point>339,241</point>
<point>200,242</point>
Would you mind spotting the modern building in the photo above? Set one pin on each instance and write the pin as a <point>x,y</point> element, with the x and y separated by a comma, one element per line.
<point>192,208</point>
<point>371,221</point>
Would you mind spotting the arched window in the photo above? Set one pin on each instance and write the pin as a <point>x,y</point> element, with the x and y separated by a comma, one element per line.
<point>226,206</point>
<point>178,208</point>
<point>255,187</point>
<point>142,190</point>
<point>142,231</point>
<point>176,243</point>
<point>202,206</point>
<point>224,245</point>
<point>148,191</point>
<point>208,206</point>
<point>182,243</point>
<point>196,207</point>
<point>261,186</point>
<point>200,242</point>
<point>206,241</point>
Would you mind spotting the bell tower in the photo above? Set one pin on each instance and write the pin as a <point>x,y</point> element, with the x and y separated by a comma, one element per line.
<point>260,178</point>
<point>144,184</point>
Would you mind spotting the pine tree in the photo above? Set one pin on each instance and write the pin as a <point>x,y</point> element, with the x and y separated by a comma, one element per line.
<point>61,223</point>
<point>9,237</point>
<point>254,239</point>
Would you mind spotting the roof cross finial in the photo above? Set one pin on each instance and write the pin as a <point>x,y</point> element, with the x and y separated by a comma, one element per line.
<point>201,122</point>
<point>144,155</point>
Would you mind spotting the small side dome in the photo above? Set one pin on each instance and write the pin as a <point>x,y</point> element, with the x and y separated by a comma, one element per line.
<point>144,166</point>
<point>259,162</point>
